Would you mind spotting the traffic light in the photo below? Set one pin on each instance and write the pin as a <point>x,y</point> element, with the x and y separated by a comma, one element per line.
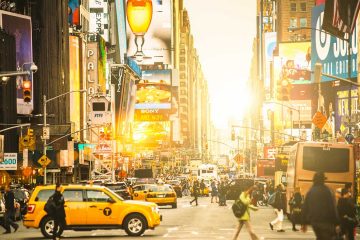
<point>26,86</point>
<point>232,135</point>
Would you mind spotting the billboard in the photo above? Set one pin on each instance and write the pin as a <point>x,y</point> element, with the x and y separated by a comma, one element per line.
<point>20,27</point>
<point>102,65</point>
<point>99,18</point>
<point>151,134</point>
<point>270,45</point>
<point>149,41</point>
<point>330,51</point>
<point>74,66</point>
<point>74,12</point>
<point>154,95</point>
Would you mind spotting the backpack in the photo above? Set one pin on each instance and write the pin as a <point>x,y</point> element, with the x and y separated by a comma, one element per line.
<point>50,206</point>
<point>238,208</point>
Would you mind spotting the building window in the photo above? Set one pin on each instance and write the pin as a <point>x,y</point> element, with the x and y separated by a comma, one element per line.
<point>293,7</point>
<point>293,23</point>
<point>303,7</point>
<point>303,22</point>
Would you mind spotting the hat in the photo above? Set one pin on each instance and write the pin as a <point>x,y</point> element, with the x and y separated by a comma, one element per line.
<point>319,177</point>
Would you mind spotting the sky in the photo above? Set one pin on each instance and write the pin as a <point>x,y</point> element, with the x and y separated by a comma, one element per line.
<point>223,33</point>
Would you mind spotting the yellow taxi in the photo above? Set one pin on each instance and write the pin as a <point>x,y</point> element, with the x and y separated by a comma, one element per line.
<point>161,194</point>
<point>92,207</point>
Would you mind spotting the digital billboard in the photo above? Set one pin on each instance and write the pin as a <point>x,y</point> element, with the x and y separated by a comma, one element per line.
<point>331,51</point>
<point>148,29</point>
<point>20,27</point>
<point>154,96</point>
<point>151,134</point>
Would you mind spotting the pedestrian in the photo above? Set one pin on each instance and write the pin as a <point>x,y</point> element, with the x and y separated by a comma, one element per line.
<point>295,204</point>
<point>222,193</point>
<point>319,210</point>
<point>58,211</point>
<point>202,187</point>
<point>245,218</point>
<point>214,192</point>
<point>347,214</point>
<point>195,192</point>
<point>9,214</point>
<point>280,209</point>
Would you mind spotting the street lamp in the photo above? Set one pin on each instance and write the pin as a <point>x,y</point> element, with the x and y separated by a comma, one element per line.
<point>46,132</point>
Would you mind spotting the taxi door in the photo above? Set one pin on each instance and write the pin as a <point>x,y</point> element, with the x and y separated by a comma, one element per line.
<point>101,209</point>
<point>140,192</point>
<point>75,207</point>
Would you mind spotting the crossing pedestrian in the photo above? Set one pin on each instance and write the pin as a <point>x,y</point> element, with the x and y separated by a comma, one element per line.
<point>245,218</point>
<point>58,211</point>
<point>9,214</point>
<point>195,192</point>
<point>214,191</point>
<point>280,208</point>
<point>295,204</point>
<point>320,211</point>
<point>347,214</point>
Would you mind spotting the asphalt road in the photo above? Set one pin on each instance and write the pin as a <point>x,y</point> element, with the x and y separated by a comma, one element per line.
<point>206,221</point>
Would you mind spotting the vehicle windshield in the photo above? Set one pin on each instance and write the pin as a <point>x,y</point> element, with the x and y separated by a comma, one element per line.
<point>161,188</point>
<point>176,182</point>
<point>114,195</point>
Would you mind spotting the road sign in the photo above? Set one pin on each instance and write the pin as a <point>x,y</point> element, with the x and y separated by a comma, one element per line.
<point>44,161</point>
<point>238,158</point>
<point>319,120</point>
<point>46,133</point>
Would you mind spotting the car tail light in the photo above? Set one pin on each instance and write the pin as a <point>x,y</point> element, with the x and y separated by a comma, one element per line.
<point>31,208</point>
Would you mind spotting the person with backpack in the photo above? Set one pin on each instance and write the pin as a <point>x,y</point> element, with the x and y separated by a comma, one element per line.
<point>244,218</point>
<point>55,208</point>
<point>347,213</point>
<point>280,208</point>
<point>295,204</point>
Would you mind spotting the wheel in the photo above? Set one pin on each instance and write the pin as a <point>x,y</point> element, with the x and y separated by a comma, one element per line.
<point>135,224</point>
<point>174,205</point>
<point>47,226</point>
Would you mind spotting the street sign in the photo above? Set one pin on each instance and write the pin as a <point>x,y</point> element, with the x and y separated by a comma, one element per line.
<point>238,158</point>
<point>46,133</point>
<point>319,120</point>
<point>44,161</point>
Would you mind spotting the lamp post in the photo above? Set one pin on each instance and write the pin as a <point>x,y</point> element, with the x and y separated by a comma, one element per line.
<point>45,101</point>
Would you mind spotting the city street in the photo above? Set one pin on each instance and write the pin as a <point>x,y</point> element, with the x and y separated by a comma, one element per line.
<point>207,221</point>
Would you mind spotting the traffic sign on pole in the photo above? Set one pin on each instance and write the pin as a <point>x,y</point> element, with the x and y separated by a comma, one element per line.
<point>44,161</point>
<point>319,120</point>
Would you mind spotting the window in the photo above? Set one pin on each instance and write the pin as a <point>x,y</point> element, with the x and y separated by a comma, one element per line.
<point>97,196</point>
<point>98,106</point>
<point>73,195</point>
<point>293,7</point>
<point>333,160</point>
<point>293,23</point>
<point>303,22</point>
<point>44,195</point>
<point>303,7</point>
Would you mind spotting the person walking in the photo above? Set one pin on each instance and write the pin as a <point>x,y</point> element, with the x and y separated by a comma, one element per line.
<point>9,214</point>
<point>280,208</point>
<point>202,187</point>
<point>347,214</point>
<point>58,211</point>
<point>319,210</point>
<point>295,204</point>
<point>195,192</point>
<point>222,193</point>
<point>214,192</point>
<point>245,218</point>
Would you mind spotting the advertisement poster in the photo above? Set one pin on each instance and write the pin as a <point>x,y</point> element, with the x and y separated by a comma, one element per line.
<point>270,45</point>
<point>74,12</point>
<point>154,31</point>
<point>99,18</point>
<point>10,162</point>
<point>330,51</point>
<point>20,27</point>
<point>154,93</point>
<point>74,63</point>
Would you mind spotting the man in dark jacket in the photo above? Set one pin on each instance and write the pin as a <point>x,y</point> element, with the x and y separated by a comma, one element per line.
<point>58,213</point>
<point>280,208</point>
<point>319,210</point>
<point>347,214</point>
<point>195,189</point>
<point>9,211</point>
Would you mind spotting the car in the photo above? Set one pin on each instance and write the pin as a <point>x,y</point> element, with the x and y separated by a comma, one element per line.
<point>176,184</point>
<point>120,188</point>
<point>161,194</point>
<point>92,207</point>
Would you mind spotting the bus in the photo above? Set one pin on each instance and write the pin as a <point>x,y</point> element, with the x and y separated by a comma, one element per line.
<point>336,160</point>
